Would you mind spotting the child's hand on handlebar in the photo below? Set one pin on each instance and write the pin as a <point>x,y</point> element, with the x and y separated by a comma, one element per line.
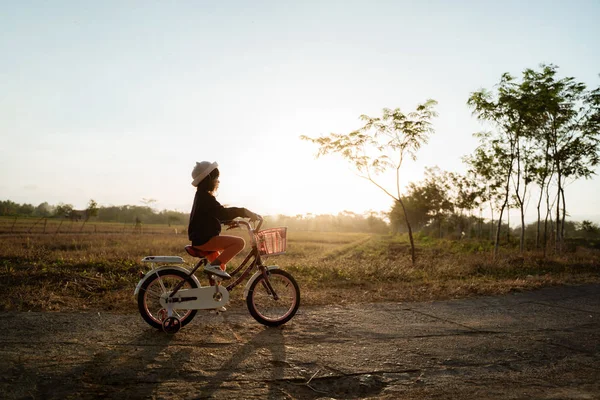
<point>252,216</point>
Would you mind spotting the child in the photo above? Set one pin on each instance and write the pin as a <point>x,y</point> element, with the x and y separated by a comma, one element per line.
<point>207,215</point>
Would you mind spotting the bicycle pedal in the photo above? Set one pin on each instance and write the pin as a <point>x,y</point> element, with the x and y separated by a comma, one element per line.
<point>218,311</point>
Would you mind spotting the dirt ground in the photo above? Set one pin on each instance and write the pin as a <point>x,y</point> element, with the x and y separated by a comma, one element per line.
<point>531,345</point>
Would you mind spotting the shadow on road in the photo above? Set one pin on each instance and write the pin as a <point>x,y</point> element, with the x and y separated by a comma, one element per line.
<point>270,339</point>
<point>130,370</point>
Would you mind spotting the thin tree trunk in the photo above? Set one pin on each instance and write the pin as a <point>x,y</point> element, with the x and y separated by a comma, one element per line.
<point>546,175</point>
<point>564,213</point>
<point>497,241</point>
<point>518,195</point>
<point>59,225</point>
<point>504,205</point>
<point>546,233</point>
<point>480,222</point>
<point>539,216</point>
<point>410,235</point>
<point>508,223</point>
<point>492,222</point>
<point>522,243</point>
<point>558,239</point>
<point>548,215</point>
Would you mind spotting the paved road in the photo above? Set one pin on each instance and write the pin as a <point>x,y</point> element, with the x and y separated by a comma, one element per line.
<point>541,345</point>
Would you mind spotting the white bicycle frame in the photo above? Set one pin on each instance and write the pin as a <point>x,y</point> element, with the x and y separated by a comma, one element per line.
<point>200,298</point>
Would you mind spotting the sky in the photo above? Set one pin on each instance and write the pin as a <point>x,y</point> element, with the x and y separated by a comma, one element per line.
<point>116,101</point>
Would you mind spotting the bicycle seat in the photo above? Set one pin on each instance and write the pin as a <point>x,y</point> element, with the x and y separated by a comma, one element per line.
<point>194,252</point>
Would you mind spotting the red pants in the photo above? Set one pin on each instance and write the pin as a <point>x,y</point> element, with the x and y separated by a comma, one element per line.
<point>226,247</point>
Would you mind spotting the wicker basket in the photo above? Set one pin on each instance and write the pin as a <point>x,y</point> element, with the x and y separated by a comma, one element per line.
<point>272,241</point>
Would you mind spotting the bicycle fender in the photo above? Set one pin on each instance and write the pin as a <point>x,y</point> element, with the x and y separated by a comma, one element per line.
<point>254,277</point>
<point>153,271</point>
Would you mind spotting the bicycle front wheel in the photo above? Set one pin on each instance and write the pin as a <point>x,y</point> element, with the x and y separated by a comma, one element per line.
<point>261,301</point>
<point>160,283</point>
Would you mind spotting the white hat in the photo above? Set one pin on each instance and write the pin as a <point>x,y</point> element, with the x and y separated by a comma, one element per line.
<point>201,171</point>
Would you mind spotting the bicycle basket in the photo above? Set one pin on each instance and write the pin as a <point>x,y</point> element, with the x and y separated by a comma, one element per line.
<point>272,241</point>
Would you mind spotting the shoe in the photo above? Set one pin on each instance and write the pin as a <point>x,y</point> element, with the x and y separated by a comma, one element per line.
<point>218,310</point>
<point>216,270</point>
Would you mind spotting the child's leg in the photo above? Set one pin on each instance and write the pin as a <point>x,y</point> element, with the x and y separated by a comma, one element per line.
<point>228,245</point>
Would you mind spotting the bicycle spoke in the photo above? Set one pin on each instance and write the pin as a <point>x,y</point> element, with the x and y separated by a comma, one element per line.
<point>157,290</point>
<point>265,303</point>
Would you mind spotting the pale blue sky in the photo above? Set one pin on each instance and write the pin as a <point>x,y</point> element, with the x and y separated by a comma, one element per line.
<point>116,101</point>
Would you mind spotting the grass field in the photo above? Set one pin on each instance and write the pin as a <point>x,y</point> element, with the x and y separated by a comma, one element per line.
<point>83,271</point>
<point>30,225</point>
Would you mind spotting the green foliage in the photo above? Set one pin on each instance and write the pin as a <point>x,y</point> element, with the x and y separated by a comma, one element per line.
<point>588,228</point>
<point>92,209</point>
<point>62,210</point>
<point>129,214</point>
<point>546,131</point>
<point>426,202</point>
<point>10,208</point>
<point>43,210</point>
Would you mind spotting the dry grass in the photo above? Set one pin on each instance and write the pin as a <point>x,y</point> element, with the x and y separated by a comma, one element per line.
<point>57,226</point>
<point>100,271</point>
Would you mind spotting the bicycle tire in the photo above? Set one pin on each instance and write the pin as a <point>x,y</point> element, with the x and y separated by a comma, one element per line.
<point>264,308</point>
<point>150,312</point>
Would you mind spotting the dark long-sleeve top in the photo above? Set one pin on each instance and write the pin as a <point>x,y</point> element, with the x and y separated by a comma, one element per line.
<point>207,215</point>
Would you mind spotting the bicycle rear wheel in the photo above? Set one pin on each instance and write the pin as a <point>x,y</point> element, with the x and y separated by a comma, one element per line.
<point>152,290</point>
<point>262,304</point>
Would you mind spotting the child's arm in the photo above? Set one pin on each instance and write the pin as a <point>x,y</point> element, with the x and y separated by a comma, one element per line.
<point>229,213</point>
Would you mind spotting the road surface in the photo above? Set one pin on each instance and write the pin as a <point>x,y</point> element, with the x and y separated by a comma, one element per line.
<point>531,345</point>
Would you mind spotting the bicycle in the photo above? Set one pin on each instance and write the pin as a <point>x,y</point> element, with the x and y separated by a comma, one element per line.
<point>169,296</point>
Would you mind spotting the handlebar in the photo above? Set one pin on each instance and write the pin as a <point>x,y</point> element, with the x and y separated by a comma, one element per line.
<point>236,223</point>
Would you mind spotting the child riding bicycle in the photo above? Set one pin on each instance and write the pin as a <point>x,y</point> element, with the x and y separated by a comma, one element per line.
<point>207,215</point>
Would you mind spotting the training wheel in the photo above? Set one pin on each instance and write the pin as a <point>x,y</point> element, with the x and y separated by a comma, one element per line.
<point>162,314</point>
<point>171,325</point>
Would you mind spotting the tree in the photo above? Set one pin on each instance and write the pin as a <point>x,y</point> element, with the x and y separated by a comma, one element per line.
<point>8,208</point>
<point>416,205</point>
<point>588,228</point>
<point>26,209</point>
<point>507,109</point>
<point>494,161</point>
<point>485,169</point>
<point>382,144</point>
<point>43,210</point>
<point>547,132</point>
<point>91,210</point>
<point>375,223</point>
<point>427,202</point>
<point>465,193</point>
<point>568,128</point>
<point>63,210</point>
